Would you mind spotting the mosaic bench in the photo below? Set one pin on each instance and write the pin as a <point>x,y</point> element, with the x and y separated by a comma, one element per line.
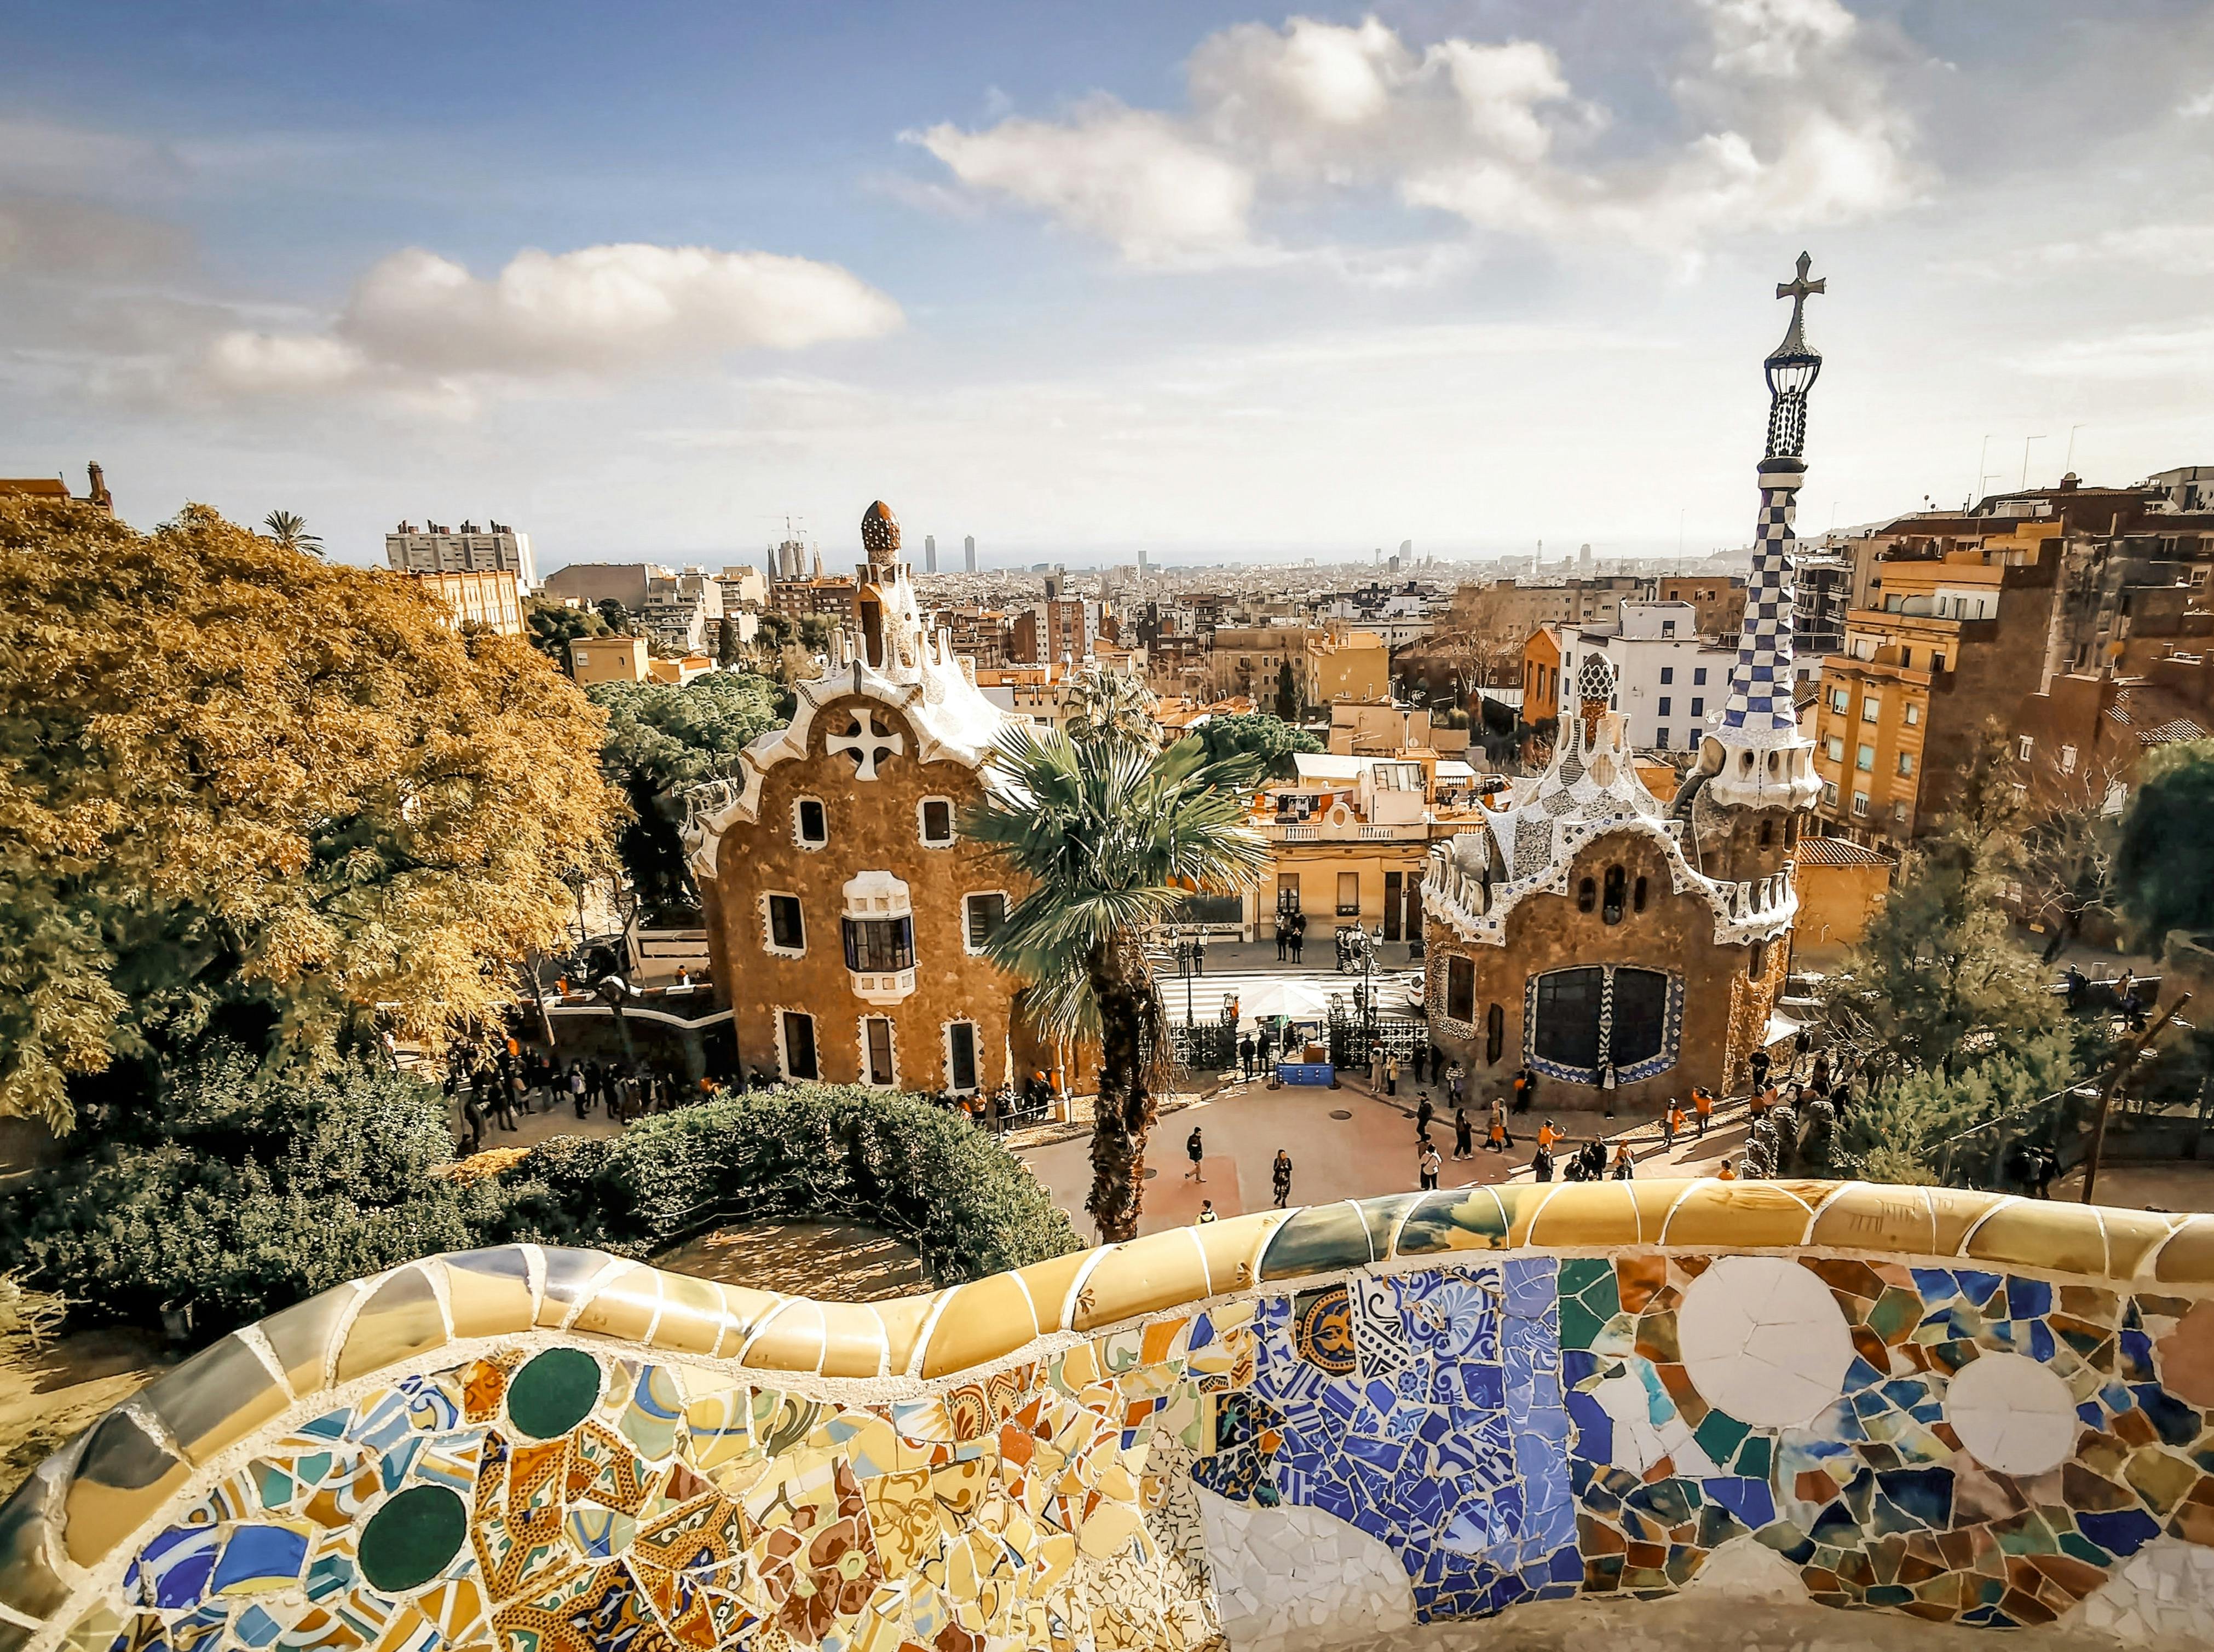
<point>1284,1429</point>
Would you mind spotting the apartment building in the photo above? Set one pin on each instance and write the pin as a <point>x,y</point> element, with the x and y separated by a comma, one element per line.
<point>487,599</point>
<point>1668,678</point>
<point>1960,636</point>
<point>435,548</point>
<point>1717,600</point>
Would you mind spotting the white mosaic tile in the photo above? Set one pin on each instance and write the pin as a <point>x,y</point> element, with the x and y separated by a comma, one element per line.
<point>1745,1568</point>
<point>2163,1595</point>
<point>1765,1341</point>
<point>2012,1414</point>
<point>1296,1579</point>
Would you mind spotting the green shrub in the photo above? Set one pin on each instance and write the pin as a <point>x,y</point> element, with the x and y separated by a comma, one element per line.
<point>906,1166</point>
<point>241,1192</point>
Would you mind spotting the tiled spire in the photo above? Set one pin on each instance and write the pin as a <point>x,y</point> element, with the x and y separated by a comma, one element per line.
<point>1756,757</point>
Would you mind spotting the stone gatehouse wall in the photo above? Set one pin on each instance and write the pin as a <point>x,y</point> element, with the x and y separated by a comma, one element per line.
<point>1296,1430</point>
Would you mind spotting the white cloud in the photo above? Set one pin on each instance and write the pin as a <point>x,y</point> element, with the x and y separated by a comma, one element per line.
<point>2199,107</point>
<point>602,310</point>
<point>1127,176</point>
<point>2181,351</point>
<point>1783,110</point>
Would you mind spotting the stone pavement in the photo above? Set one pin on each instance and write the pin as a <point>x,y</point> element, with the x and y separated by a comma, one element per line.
<point>1370,1150</point>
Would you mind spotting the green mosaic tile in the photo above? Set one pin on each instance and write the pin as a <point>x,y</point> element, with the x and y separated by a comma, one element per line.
<point>1720,1436</point>
<point>554,1392</point>
<point>408,1542</point>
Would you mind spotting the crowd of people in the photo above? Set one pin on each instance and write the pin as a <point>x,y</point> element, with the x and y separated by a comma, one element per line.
<point>494,1086</point>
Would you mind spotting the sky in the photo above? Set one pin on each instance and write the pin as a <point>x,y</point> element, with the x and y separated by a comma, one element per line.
<point>648,280</point>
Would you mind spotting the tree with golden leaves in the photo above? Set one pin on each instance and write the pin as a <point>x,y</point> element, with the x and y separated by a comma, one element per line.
<point>248,794</point>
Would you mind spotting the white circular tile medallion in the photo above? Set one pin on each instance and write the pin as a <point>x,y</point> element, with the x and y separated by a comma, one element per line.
<point>1763,1340</point>
<point>2012,1413</point>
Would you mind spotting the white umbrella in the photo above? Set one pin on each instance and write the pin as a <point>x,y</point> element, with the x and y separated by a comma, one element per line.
<point>1302,1000</point>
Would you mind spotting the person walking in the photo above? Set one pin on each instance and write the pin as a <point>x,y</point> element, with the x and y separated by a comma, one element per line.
<point>1801,1042</point>
<point>1464,1134</point>
<point>1196,1151</point>
<point>1279,1176</point>
<point>1541,1165</point>
<point>473,1115</point>
<point>1760,1064</point>
<point>1454,1080</point>
<point>577,1086</point>
<point>1529,1087</point>
<point>1283,941</point>
<point>1207,1211</point>
<point>1376,1069</point>
<point>1522,1090</point>
<point>1423,1114</point>
<point>1392,1076</point>
<point>486,1084</point>
<point>1427,1164</point>
<point>1672,1121</point>
<point>1625,1163</point>
<point>1245,1054</point>
<point>1702,1104</point>
<point>1264,1046</point>
<point>1549,1136</point>
<point>1501,1138</point>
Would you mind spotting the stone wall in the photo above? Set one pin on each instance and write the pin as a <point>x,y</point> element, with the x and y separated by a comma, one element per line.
<point>873,825</point>
<point>1608,1405</point>
<point>1724,1013</point>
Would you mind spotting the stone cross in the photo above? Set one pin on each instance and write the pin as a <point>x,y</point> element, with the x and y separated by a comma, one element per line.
<point>1800,289</point>
<point>868,743</point>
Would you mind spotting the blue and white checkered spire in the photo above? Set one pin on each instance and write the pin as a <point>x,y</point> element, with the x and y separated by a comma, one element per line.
<point>1764,760</point>
<point>1760,682</point>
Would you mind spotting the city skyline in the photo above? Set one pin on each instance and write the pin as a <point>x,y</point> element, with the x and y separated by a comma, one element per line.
<point>1231,286</point>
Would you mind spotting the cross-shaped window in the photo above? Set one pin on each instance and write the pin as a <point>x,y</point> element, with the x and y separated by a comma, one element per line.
<point>866,743</point>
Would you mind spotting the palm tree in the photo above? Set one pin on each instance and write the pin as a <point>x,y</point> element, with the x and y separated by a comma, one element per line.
<point>292,532</point>
<point>1105,704</point>
<point>1110,836</point>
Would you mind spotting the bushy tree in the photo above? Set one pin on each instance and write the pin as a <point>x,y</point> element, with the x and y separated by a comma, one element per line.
<point>246,791</point>
<point>244,1191</point>
<point>1270,742</point>
<point>2163,874</point>
<point>2068,857</point>
<point>922,1173</point>
<point>1109,705</point>
<point>1898,1131</point>
<point>554,626</point>
<point>664,739</point>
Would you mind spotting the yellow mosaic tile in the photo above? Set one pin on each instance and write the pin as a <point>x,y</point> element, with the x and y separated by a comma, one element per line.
<point>1160,1270</point>
<point>1953,1213</point>
<point>623,1306</point>
<point>852,1340</point>
<point>1587,1215</point>
<point>216,1398</point>
<point>1051,1284</point>
<point>1655,1202</point>
<point>401,1317</point>
<point>984,1321</point>
<point>1740,1215</point>
<point>2041,1234</point>
<point>743,1309</point>
<point>903,1321</point>
<point>490,1300</point>
<point>2133,1236</point>
<point>1863,1216</point>
<point>1232,1249</point>
<point>300,1335</point>
<point>693,1319</point>
<point>790,1340</point>
<point>2187,1257</point>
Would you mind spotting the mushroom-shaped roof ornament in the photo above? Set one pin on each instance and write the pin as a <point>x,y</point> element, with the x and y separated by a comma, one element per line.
<point>880,534</point>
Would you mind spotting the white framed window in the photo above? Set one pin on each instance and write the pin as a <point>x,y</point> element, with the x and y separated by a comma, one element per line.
<point>1907,762</point>
<point>1840,702</point>
<point>810,823</point>
<point>1834,749</point>
<point>1860,803</point>
<point>879,1052</point>
<point>981,914</point>
<point>964,1058</point>
<point>1913,713</point>
<point>1830,794</point>
<point>1871,709</point>
<point>933,820</point>
<point>2023,747</point>
<point>2068,760</point>
<point>784,925</point>
<point>796,1056</point>
<point>1864,760</point>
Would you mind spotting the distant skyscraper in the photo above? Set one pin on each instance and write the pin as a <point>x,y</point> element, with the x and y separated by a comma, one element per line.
<point>1141,561</point>
<point>969,552</point>
<point>1583,558</point>
<point>930,552</point>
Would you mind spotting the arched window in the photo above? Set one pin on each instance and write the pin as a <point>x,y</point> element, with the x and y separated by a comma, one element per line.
<point>1577,1016</point>
<point>1494,1034</point>
<point>1586,895</point>
<point>1638,895</point>
<point>1756,961</point>
<point>1611,912</point>
<point>1767,833</point>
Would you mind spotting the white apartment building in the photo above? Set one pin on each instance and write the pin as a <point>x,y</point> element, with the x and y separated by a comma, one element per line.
<point>435,548</point>
<point>1668,684</point>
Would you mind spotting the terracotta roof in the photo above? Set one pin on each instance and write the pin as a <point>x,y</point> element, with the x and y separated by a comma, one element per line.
<point>1839,852</point>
